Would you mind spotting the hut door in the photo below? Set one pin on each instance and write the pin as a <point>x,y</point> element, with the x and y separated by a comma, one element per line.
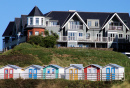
<point>76,74</point>
<point>107,73</point>
<point>113,73</point>
<point>11,73</point>
<point>5,73</point>
<point>71,74</point>
<point>35,74</point>
<point>30,73</point>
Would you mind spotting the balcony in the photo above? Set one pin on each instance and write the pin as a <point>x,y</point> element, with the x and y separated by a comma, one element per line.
<point>75,27</point>
<point>92,39</point>
<point>115,27</point>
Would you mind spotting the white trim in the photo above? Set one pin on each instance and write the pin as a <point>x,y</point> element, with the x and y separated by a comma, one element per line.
<point>79,18</point>
<point>118,18</point>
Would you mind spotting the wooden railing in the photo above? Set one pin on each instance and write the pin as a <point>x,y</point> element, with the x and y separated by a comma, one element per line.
<point>74,27</point>
<point>115,27</point>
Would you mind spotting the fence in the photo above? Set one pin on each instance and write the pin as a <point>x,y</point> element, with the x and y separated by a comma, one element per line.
<point>68,76</point>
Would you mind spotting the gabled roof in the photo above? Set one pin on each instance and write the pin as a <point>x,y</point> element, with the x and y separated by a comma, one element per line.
<point>115,65</point>
<point>77,65</point>
<point>64,16</point>
<point>57,66</point>
<point>69,18</point>
<point>12,66</point>
<point>110,18</point>
<point>36,66</point>
<point>35,12</point>
<point>96,65</point>
<point>9,29</point>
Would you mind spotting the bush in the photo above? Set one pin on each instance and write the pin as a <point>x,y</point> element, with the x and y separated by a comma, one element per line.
<point>48,41</point>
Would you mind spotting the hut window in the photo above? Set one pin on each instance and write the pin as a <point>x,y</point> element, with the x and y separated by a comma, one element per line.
<point>48,71</point>
<point>53,71</point>
<point>89,70</point>
<point>34,71</point>
<point>6,71</point>
<point>11,71</point>
<point>76,71</point>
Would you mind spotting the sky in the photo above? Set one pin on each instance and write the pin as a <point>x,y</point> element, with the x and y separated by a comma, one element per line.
<point>10,9</point>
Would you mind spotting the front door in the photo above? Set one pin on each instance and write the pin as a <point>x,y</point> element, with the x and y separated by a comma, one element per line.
<point>76,74</point>
<point>107,74</point>
<point>30,73</point>
<point>71,74</point>
<point>5,73</point>
<point>113,73</point>
<point>35,74</point>
<point>11,73</point>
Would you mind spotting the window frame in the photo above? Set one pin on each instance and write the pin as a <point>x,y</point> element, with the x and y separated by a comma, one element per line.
<point>35,33</point>
<point>37,21</point>
<point>86,35</point>
<point>80,34</point>
<point>31,21</point>
<point>120,35</point>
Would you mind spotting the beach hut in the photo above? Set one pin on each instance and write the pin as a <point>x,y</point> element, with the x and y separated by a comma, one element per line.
<point>112,72</point>
<point>92,72</point>
<point>53,72</point>
<point>10,71</point>
<point>33,72</point>
<point>74,72</point>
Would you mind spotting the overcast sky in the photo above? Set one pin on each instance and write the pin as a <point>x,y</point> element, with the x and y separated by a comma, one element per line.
<point>9,9</point>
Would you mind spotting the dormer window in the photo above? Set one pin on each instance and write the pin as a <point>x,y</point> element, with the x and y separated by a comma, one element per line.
<point>93,23</point>
<point>89,23</point>
<point>37,21</point>
<point>31,21</point>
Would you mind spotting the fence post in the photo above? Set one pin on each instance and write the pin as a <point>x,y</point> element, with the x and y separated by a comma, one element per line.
<point>111,76</point>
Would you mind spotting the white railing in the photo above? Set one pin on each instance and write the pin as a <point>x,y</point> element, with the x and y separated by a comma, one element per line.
<point>115,27</point>
<point>91,39</point>
<point>52,25</point>
<point>75,27</point>
<point>68,76</point>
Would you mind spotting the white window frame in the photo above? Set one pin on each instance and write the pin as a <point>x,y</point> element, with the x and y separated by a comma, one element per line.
<point>89,23</point>
<point>89,35</point>
<point>119,35</point>
<point>36,32</point>
<point>31,21</point>
<point>80,34</point>
<point>37,21</point>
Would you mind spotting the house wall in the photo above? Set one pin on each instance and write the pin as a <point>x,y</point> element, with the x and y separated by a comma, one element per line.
<point>25,73</point>
<point>34,30</point>
<point>16,72</point>
<point>67,75</point>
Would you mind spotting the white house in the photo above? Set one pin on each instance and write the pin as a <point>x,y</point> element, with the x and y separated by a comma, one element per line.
<point>74,72</point>
<point>10,71</point>
<point>113,72</point>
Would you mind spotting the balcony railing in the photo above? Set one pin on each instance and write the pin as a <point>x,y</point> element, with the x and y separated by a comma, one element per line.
<point>115,27</point>
<point>91,39</point>
<point>75,27</point>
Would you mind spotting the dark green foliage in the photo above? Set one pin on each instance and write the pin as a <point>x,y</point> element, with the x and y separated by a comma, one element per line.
<point>49,41</point>
<point>55,83</point>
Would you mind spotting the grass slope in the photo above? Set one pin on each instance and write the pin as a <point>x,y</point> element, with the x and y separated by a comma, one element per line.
<point>26,54</point>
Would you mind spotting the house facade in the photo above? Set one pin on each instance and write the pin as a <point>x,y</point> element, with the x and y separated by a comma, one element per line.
<point>75,29</point>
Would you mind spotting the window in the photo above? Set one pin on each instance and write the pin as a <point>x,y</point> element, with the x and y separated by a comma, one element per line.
<point>31,21</point>
<point>30,33</point>
<point>48,71</point>
<point>35,71</point>
<point>37,21</point>
<point>6,71</point>
<point>87,35</point>
<point>94,71</point>
<point>96,23</point>
<point>80,45</point>
<point>127,36</point>
<point>76,71</point>
<point>89,23</point>
<point>120,35</point>
<point>80,34</point>
<point>53,71</point>
<point>11,71</point>
<point>58,34</point>
<point>36,33</point>
<point>41,21</point>
<point>53,23</point>
<point>87,45</point>
<point>89,70</point>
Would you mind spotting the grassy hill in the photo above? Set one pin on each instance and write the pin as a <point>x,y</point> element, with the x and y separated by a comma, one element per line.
<point>26,54</point>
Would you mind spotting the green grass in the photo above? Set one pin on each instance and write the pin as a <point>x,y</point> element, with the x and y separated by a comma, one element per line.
<point>63,57</point>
